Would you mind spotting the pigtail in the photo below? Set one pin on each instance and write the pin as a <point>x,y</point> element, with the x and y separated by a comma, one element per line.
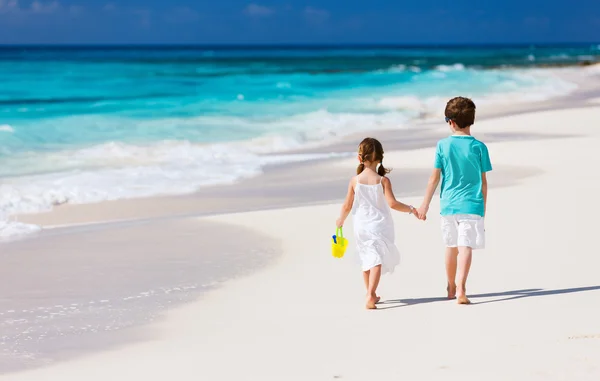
<point>381,170</point>
<point>361,167</point>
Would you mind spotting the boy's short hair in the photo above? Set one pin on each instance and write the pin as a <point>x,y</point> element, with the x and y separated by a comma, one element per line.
<point>461,110</point>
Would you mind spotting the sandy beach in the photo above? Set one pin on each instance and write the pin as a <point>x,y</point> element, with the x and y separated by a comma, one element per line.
<point>280,307</point>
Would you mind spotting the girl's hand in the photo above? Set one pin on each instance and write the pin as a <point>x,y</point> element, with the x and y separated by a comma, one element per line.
<point>339,223</point>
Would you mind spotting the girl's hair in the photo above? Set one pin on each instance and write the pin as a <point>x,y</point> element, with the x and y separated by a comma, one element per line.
<point>371,150</point>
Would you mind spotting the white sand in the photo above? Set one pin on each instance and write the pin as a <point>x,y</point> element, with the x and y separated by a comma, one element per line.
<point>303,317</point>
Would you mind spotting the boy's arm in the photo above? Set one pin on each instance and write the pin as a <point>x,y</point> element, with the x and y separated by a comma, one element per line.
<point>432,185</point>
<point>484,189</point>
<point>486,166</point>
<point>391,199</point>
<point>347,205</point>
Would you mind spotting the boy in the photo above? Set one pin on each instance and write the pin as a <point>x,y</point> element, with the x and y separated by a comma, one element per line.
<point>462,162</point>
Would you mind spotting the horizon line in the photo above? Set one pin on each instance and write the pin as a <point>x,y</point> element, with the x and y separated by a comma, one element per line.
<point>291,45</point>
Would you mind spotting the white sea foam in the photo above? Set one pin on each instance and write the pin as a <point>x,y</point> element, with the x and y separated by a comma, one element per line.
<point>396,69</point>
<point>166,168</point>
<point>532,85</point>
<point>6,128</point>
<point>321,127</point>
<point>10,230</point>
<point>455,67</point>
<point>400,69</point>
<point>119,171</point>
<point>414,106</point>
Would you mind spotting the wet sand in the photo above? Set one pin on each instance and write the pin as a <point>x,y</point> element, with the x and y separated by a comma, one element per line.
<point>73,292</point>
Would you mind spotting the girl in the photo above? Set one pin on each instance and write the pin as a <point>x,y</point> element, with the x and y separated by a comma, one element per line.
<point>370,198</point>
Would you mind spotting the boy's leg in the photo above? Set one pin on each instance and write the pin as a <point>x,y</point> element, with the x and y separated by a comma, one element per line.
<point>451,260</point>
<point>471,234</point>
<point>374,276</point>
<point>464,265</point>
<point>450,238</point>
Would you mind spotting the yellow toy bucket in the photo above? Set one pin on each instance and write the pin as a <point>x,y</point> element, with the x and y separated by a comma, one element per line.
<point>338,244</point>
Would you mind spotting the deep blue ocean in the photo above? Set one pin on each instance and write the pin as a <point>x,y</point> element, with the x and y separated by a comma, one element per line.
<point>86,124</point>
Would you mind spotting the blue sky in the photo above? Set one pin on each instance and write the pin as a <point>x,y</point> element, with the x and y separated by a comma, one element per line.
<point>297,21</point>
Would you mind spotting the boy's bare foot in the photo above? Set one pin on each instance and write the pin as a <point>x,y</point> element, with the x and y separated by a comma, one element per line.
<point>451,291</point>
<point>463,300</point>
<point>371,303</point>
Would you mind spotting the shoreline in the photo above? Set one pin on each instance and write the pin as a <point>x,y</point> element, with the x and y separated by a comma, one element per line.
<point>422,135</point>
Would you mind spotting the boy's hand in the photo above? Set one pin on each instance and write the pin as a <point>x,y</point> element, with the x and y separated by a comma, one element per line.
<point>339,223</point>
<point>422,213</point>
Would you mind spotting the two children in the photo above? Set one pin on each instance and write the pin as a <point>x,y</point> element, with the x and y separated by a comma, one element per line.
<point>461,163</point>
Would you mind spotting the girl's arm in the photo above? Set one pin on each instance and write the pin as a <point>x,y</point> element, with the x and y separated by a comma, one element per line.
<point>347,206</point>
<point>432,185</point>
<point>391,199</point>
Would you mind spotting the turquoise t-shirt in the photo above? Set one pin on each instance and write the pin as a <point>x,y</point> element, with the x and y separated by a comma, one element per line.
<point>462,159</point>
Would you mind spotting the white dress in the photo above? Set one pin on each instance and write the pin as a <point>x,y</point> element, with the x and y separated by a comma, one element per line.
<point>374,228</point>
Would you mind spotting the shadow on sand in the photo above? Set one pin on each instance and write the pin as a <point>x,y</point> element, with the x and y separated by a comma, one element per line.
<point>504,296</point>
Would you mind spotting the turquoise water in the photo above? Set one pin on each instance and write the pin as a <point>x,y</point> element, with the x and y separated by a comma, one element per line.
<point>85,124</point>
<point>70,97</point>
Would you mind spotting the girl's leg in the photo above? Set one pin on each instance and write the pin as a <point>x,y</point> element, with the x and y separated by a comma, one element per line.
<point>464,265</point>
<point>451,259</point>
<point>374,276</point>
<point>366,275</point>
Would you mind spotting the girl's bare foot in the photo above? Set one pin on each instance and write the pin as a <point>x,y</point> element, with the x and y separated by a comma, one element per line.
<point>451,289</point>
<point>377,299</point>
<point>371,303</point>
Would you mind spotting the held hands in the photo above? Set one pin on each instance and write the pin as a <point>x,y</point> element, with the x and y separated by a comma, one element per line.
<point>420,213</point>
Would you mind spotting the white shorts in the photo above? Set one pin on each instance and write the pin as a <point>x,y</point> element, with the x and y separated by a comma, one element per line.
<point>463,230</point>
